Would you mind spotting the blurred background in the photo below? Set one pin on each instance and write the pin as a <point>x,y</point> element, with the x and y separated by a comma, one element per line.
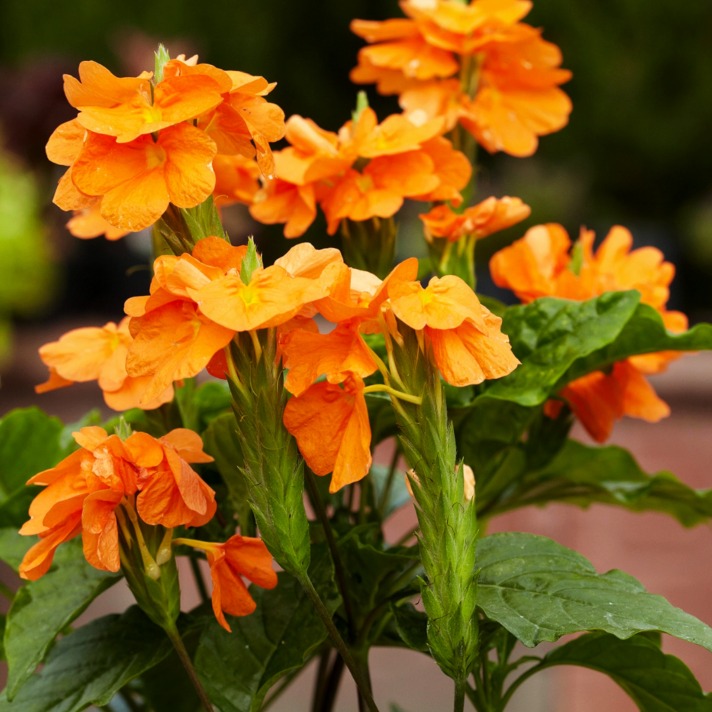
<point>637,152</point>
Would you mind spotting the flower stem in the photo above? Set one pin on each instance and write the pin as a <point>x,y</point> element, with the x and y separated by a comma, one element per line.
<point>174,636</point>
<point>361,679</point>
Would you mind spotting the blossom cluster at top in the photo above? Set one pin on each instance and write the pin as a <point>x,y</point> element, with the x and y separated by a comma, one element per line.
<point>473,64</point>
<point>141,143</point>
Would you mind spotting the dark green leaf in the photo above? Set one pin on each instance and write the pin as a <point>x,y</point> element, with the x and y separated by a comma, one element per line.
<point>582,474</point>
<point>14,546</point>
<point>373,574</point>
<point>540,590</point>
<point>655,681</point>
<point>43,608</point>
<point>411,626</point>
<point>238,668</point>
<point>90,665</point>
<point>550,334</point>
<point>644,333</point>
<point>29,443</point>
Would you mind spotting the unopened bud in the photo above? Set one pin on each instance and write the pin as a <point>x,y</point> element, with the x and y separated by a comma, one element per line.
<point>469,478</point>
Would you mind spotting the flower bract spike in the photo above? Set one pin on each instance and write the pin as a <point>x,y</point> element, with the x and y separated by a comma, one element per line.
<point>250,262</point>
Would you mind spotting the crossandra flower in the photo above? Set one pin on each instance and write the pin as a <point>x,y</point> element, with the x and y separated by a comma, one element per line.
<point>475,64</point>
<point>199,301</point>
<point>481,220</point>
<point>99,354</point>
<point>544,263</point>
<point>95,487</point>
<point>330,424</point>
<point>139,144</point>
<point>465,338</point>
<point>239,557</point>
<point>365,170</point>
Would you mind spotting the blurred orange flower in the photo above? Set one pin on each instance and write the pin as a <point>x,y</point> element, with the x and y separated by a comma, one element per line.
<point>475,64</point>
<point>544,263</point>
<point>365,170</point>
<point>481,220</point>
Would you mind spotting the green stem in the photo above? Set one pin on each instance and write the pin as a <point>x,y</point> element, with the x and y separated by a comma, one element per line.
<point>187,663</point>
<point>361,679</point>
<point>320,511</point>
<point>332,684</point>
<point>459,703</point>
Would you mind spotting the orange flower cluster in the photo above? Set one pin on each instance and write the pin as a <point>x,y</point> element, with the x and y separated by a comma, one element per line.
<point>107,477</point>
<point>139,144</point>
<point>109,488</point>
<point>365,170</point>
<point>541,264</point>
<point>329,418</point>
<point>475,64</point>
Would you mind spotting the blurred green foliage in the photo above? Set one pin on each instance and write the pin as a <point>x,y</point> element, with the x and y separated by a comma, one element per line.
<point>26,274</point>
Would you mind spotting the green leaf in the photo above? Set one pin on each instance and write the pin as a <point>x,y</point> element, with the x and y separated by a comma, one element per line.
<point>550,334</point>
<point>655,681</point>
<point>29,443</point>
<point>644,333</point>
<point>90,665</point>
<point>582,474</point>
<point>43,608</point>
<point>373,574</point>
<point>279,637</point>
<point>14,546</point>
<point>539,590</point>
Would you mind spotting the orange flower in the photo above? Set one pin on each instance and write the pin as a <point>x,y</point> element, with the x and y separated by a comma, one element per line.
<point>147,109</point>
<point>172,342</point>
<point>98,354</point>
<point>337,354</point>
<point>239,557</point>
<point>364,171</point>
<point>83,492</point>
<point>513,95</point>
<point>480,220</point>
<point>330,424</point>
<point>271,297</point>
<point>100,472</point>
<point>138,144</point>
<point>138,180</point>
<point>540,265</point>
<point>244,123</point>
<point>467,343</point>
<point>171,493</point>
